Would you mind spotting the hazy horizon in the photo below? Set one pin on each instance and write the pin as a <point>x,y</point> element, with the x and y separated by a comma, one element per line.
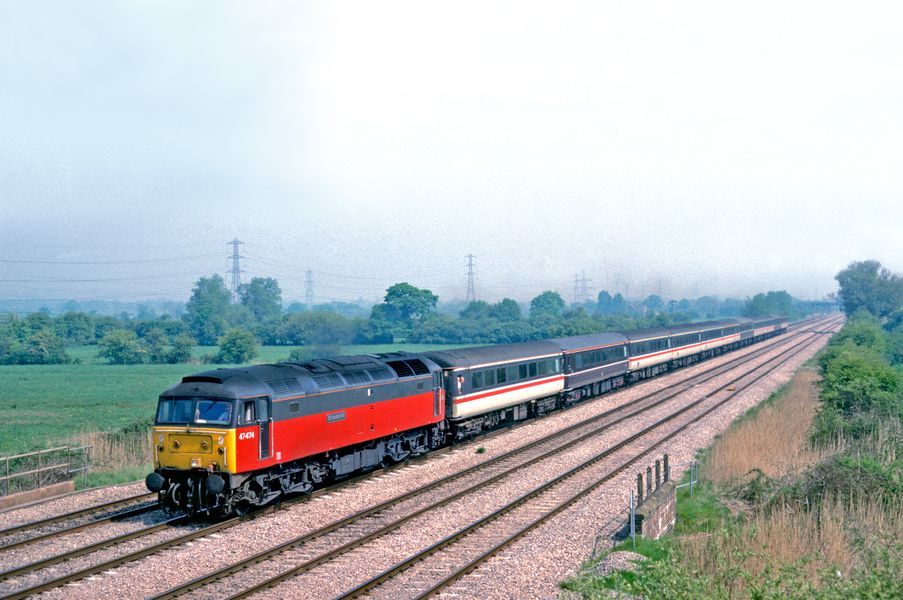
<point>683,150</point>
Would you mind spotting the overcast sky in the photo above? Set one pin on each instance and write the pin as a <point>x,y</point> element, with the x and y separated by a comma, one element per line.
<point>683,147</point>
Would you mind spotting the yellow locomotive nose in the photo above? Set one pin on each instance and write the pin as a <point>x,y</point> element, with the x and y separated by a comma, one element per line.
<point>188,448</point>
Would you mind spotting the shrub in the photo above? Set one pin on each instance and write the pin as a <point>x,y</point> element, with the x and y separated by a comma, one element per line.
<point>42,347</point>
<point>236,346</point>
<point>121,347</point>
<point>180,350</point>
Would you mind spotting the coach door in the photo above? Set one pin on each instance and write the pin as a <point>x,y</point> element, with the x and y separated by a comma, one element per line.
<point>437,385</point>
<point>258,411</point>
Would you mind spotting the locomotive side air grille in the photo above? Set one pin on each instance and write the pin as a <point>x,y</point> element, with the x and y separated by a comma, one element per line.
<point>380,374</point>
<point>356,377</point>
<point>286,387</point>
<point>401,368</point>
<point>417,365</point>
<point>328,381</point>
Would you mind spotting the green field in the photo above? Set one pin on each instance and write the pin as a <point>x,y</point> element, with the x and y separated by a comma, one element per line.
<point>43,405</point>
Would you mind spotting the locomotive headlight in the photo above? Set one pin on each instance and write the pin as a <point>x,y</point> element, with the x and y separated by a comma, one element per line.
<point>220,440</point>
<point>195,462</point>
<point>160,439</point>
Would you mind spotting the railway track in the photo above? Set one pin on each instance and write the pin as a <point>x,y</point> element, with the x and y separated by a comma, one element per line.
<point>531,451</point>
<point>13,541</point>
<point>467,548</point>
<point>326,544</point>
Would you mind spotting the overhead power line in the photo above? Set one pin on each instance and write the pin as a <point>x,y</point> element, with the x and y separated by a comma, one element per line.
<point>102,262</point>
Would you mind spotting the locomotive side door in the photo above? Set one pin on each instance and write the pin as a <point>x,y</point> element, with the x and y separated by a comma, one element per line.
<point>257,411</point>
<point>263,416</point>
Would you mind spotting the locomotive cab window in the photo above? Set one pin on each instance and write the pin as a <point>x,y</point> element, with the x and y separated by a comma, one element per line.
<point>213,412</point>
<point>249,412</point>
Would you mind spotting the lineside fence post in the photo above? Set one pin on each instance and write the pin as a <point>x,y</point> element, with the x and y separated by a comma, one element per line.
<point>632,519</point>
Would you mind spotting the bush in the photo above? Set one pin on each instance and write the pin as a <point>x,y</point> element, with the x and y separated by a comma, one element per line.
<point>858,380</point>
<point>846,476</point>
<point>42,347</point>
<point>121,347</point>
<point>236,346</point>
<point>180,350</point>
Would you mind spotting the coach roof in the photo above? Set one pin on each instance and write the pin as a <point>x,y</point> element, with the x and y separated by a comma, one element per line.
<point>471,357</point>
<point>595,340</point>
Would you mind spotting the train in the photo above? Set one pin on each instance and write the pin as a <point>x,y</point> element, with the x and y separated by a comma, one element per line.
<point>231,439</point>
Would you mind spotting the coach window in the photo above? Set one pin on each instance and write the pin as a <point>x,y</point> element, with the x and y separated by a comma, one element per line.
<point>532,369</point>
<point>490,377</point>
<point>522,371</point>
<point>512,373</point>
<point>500,375</point>
<point>476,380</point>
<point>249,412</point>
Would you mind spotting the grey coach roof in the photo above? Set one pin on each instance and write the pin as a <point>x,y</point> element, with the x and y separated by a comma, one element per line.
<point>580,342</point>
<point>471,357</point>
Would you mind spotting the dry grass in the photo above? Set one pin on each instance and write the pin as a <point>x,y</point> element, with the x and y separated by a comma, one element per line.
<point>773,441</point>
<point>116,451</point>
<point>829,536</point>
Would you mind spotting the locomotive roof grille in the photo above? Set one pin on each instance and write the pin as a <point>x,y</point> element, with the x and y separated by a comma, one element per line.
<point>408,368</point>
<point>329,381</point>
<point>356,377</point>
<point>286,387</point>
<point>401,368</point>
<point>380,374</point>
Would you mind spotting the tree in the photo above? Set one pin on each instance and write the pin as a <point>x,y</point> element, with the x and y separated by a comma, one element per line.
<point>155,342</point>
<point>654,303</point>
<point>506,311</point>
<point>707,306</point>
<point>42,347</point>
<point>207,309</point>
<point>477,309</point>
<point>867,285</point>
<point>236,346</point>
<point>408,303</point>
<point>180,350</point>
<point>547,304</point>
<point>604,303</point>
<point>75,328</point>
<point>772,303</point>
<point>262,297</point>
<point>121,347</point>
<point>404,306</point>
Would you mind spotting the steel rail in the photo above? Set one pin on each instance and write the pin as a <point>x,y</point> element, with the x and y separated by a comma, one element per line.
<point>74,514</point>
<point>121,516</point>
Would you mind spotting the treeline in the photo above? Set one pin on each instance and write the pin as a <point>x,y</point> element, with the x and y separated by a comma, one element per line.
<point>406,314</point>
